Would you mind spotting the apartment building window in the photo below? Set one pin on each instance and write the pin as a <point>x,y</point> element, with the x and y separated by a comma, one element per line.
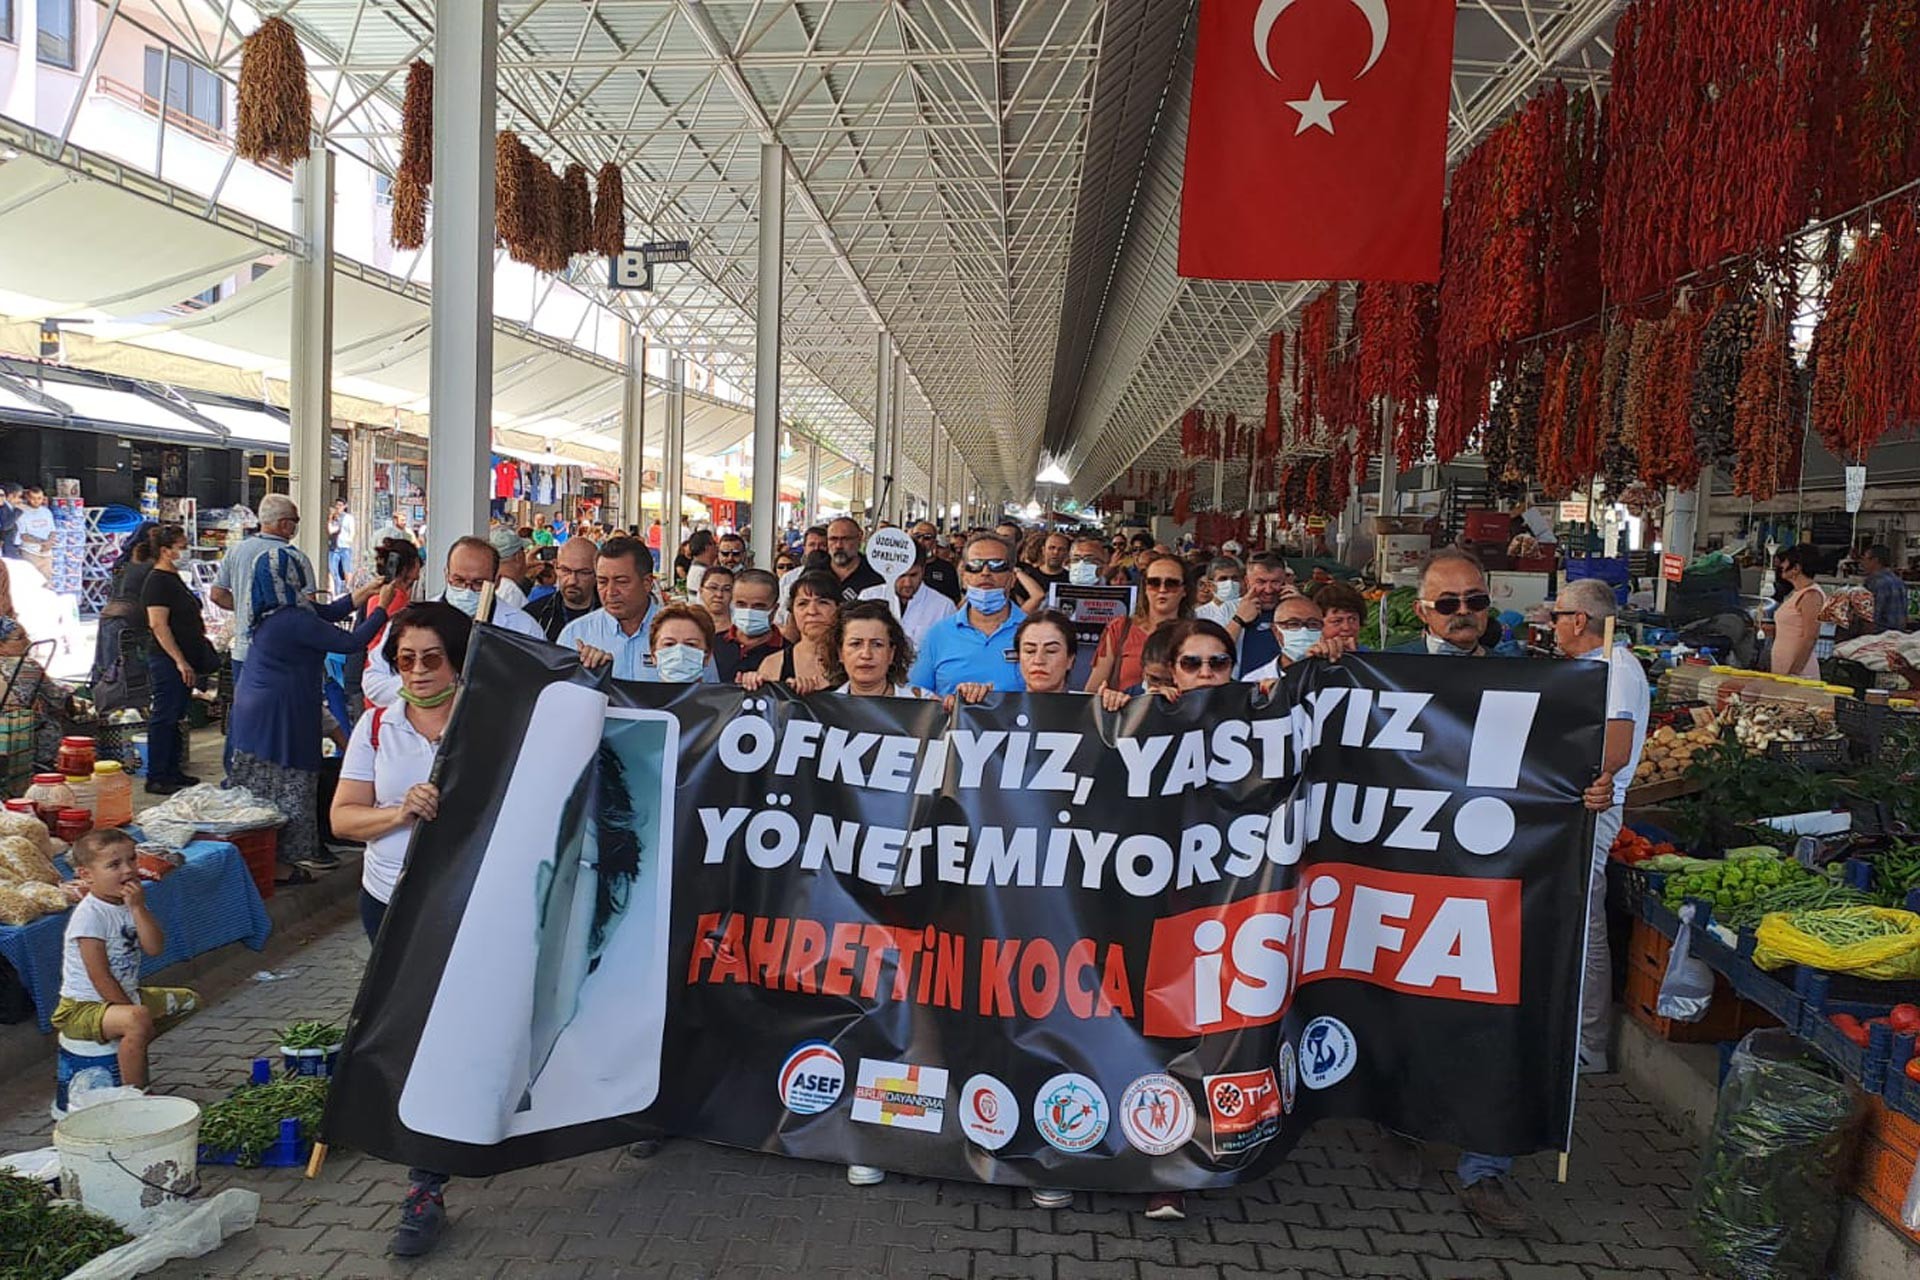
<point>56,33</point>
<point>6,21</point>
<point>192,90</point>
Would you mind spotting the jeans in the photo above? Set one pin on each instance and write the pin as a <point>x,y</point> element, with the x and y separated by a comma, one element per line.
<point>1596,988</point>
<point>226,752</point>
<point>1474,1167</point>
<point>164,755</point>
<point>372,913</point>
<point>340,565</point>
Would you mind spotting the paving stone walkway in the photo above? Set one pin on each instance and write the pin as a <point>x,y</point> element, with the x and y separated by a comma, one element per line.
<point>701,1212</point>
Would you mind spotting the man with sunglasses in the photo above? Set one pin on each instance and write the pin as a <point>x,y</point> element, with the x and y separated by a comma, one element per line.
<point>975,645</point>
<point>472,563</point>
<point>941,575</point>
<point>1454,603</point>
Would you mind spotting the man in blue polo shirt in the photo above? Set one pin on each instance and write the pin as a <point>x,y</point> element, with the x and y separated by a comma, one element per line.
<point>618,631</point>
<point>975,645</point>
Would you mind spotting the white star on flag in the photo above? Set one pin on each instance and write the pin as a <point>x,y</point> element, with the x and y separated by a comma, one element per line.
<point>1316,110</point>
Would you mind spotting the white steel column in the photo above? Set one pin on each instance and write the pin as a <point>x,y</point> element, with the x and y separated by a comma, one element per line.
<point>310,354</point>
<point>633,429</point>
<point>812,513</point>
<point>936,456</point>
<point>461,388</point>
<point>674,469</point>
<point>896,450</point>
<point>766,373</point>
<point>882,488</point>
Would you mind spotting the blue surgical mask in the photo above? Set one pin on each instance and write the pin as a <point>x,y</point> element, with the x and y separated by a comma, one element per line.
<point>753,622</point>
<point>1294,644</point>
<point>987,600</point>
<point>465,599</point>
<point>1083,573</point>
<point>679,664</point>
<point>1227,591</point>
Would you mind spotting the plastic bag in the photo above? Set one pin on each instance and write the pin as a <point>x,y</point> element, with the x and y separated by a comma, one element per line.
<point>1910,1209</point>
<point>1893,958</point>
<point>215,810</point>
<point>176,1230</point>
<point>1687,988</point>
<point>1768,1199</point>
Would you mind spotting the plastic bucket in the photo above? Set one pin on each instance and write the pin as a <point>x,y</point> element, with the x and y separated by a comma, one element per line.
<point>310,1062</point>
<point>78,1057</point>
<point>124,1159</point>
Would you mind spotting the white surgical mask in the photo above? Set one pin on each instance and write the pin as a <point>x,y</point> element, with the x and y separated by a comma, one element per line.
<point>753,622</point>
<point>1083,573</point>
<point>1227,591</point>
<point>680,664</point>
<point>1294,644</point>
<point>465,599</point>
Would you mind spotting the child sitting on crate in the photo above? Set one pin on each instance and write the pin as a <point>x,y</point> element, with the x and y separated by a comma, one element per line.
<point>100,994</point>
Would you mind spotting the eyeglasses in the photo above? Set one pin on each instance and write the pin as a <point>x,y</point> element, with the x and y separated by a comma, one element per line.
<point>1558,614</point>
<point>1165,584</point>
<point>986,566</point>
<point>1448,605</point>
<point>1295,624</point>
<point>432,660</point>
<point>1193,662</point>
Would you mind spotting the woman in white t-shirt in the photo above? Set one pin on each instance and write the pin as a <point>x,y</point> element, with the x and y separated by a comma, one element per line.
<point>383,788</point>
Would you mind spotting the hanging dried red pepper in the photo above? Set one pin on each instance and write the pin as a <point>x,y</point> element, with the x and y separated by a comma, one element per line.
<point>1765,423</point>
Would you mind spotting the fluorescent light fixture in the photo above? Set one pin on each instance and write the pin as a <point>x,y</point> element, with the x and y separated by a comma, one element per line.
<point>1053,473</point>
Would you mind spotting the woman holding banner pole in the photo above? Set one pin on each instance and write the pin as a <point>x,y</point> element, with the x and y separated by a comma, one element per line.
<point>385,791</point>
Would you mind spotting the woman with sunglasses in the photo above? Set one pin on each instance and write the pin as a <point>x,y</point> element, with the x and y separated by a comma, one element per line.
<point>814,603</point>
<point>384,791</point>
<point>1164,597</point>
<point>1200,655</point>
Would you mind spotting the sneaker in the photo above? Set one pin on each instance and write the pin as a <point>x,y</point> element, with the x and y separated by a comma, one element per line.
<point>1167,1206</point>
<point>1493,1207</point>
<point>645,1149</point>
<point>1400,1162</point>
<point>321,862</point>
<point>423,1216</point>
<point>865,1175</point>
<point>1594,1064</point>
<point>1052,1198</point>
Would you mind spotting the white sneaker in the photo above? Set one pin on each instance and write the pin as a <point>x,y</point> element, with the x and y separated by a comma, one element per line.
<point>1594,1064</point>
<point>1052,1198</point>
<point>865,1175</point>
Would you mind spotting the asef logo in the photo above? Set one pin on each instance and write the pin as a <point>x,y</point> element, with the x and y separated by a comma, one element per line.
<point>811,1078</point>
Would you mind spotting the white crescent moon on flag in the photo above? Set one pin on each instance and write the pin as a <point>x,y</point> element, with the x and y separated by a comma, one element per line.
<point>1375,11</point>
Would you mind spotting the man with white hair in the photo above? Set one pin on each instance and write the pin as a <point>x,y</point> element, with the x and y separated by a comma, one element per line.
<point>232,589</point>
<point>1580,614</point>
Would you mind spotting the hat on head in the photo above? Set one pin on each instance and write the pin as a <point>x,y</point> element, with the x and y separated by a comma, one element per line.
<point>507,542</point>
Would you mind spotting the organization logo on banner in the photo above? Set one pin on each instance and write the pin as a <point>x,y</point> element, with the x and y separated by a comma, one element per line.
<point>1070,1112</point>
<point>1156,1114</point>
<point>1289,1072</point>
<point>988,1113</point>
<point>811,1078</point>
<point>1245,1109</point>
<point>1327,1053</point>
<point>904,1095</point>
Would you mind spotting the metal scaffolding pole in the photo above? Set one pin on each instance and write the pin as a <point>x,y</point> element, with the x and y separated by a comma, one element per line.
<point>673,471</point>
<point>881,493</point>
<point>896,452</point>
<point>935,457</point>
<point>766,375</point>
<point>310,357</point>
<point>813,491</point>
<point>461,382</point>
<point>633,429</point>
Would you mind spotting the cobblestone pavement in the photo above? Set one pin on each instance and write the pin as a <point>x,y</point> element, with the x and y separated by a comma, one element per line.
<point>698,1211</point>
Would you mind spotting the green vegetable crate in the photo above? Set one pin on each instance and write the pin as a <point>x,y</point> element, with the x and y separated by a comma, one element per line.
<point>289,1150</point>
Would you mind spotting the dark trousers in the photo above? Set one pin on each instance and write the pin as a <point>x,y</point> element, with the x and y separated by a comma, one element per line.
<point>372,913</point>
<point>226,752</point>
<point>164,754</point>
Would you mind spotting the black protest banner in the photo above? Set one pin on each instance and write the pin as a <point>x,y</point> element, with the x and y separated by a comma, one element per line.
<point>1028,942</point>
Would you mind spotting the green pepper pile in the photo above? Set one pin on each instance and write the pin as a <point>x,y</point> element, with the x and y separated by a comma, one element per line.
<point>312,1035</point>
<point>1730,884</point>
<point>43,1241</point>
<point>247,1122</point>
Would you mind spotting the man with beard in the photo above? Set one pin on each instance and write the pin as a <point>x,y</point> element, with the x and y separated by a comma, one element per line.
<point>940,572</point>
<point>849,563</point>
<point>812,543</point>
<point>574,596</point>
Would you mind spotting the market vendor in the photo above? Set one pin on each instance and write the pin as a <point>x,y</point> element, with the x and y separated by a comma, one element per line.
<point>1580,613</point>
<point>1889,592</point>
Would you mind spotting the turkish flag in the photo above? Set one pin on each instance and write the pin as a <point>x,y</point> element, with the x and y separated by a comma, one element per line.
<point>1317,140</point>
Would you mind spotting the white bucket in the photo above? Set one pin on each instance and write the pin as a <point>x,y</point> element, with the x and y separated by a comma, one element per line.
<point>124,1159</point>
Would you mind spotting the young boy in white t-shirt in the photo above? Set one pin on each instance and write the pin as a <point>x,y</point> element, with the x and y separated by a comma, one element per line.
<point>110,930</point>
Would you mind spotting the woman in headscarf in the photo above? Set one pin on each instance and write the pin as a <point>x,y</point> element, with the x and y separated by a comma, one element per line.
<point>276,725</point>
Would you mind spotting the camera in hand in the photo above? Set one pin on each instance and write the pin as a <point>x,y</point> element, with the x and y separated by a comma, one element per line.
<point>389,566</point>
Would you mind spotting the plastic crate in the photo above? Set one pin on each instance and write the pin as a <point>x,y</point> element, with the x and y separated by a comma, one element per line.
<point>1728,1017</point>
<point>288,1151</point>
<point>1820,754</point>
<point>1777,997</point>
<point>1900,1090</point>
<point>259,849</point>
<point>1866,1064</point>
